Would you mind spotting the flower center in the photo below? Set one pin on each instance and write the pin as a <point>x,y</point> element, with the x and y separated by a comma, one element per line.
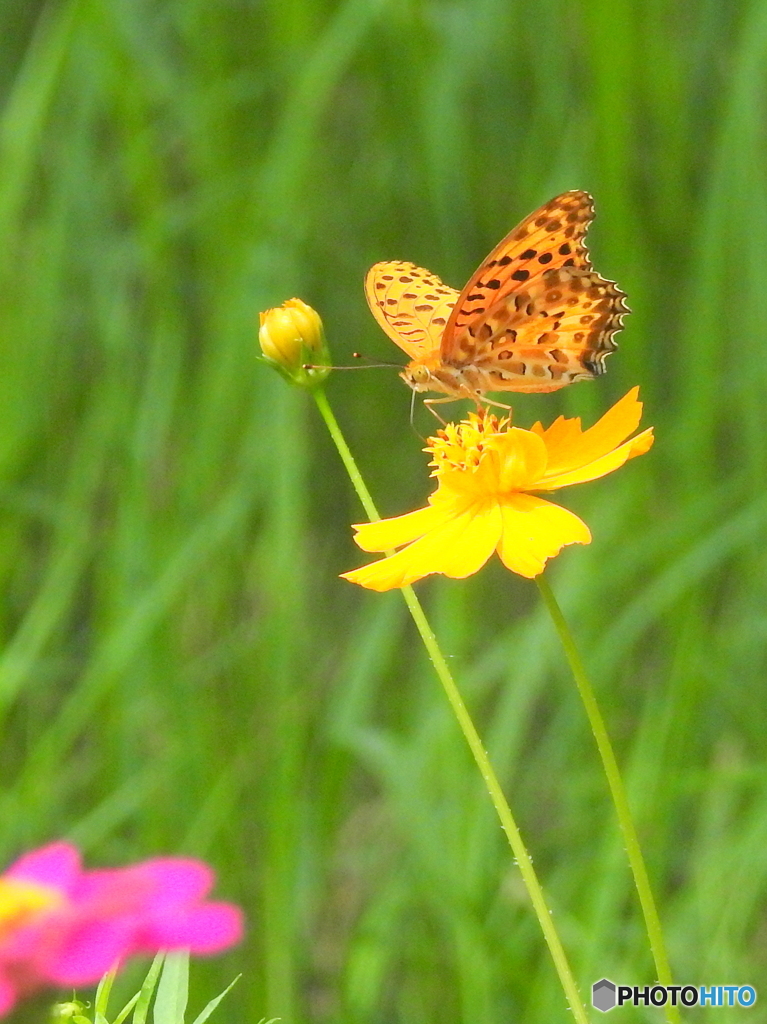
<point>484,458</point>
<point>20,902</point>
<point>463,445</point>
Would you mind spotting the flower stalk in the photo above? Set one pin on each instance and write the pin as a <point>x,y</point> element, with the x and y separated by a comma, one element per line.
<point>466,725</point>
<point>617,791</point>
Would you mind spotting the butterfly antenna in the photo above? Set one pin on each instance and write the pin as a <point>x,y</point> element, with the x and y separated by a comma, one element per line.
<point>369,362</point>
<point>368,365</point>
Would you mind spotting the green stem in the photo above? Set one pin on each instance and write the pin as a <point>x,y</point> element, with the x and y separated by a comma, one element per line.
<point>518,849</point>
<point>618,791</point>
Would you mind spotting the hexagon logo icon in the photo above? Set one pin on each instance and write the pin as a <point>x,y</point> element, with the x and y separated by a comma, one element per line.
<point>603,995</point>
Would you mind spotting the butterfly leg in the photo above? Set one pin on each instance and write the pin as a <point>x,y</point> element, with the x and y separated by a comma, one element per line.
<point>497,405</point>
<point>431,402</point>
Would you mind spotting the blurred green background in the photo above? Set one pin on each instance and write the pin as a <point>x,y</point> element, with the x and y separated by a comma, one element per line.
<point>182,671</point>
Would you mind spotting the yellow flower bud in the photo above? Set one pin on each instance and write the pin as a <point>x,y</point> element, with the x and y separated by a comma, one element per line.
<point>293,341</point>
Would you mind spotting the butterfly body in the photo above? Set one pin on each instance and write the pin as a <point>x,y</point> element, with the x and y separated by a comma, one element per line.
<point>534,317</point>
<point>470,380</point>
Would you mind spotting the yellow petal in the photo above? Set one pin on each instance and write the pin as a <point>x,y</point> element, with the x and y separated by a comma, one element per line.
<point>469,552</point>
<point>523,459</point>
<point>570,447</point>
<point>535,530</point>
<point>385,534</point>
<point>601,467</point>
<point>457,547</point>
<point>380,576</point>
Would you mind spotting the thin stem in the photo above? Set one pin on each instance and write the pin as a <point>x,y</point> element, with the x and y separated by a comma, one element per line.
<point>618,791</point>
<point>518,849</point>
<point>345,452</point>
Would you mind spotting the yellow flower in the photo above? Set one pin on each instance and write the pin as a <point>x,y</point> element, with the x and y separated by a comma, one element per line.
<point>486,474</point>
<point>292,340</point>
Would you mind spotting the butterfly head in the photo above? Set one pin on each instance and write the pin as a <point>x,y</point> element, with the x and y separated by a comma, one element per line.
<point>418,376</point>
<point>430,373</point>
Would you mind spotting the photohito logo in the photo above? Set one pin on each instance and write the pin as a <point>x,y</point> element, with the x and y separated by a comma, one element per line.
<point>606,995</point>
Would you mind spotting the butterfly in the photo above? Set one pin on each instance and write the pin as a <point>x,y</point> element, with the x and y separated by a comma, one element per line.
<point>534,317</point>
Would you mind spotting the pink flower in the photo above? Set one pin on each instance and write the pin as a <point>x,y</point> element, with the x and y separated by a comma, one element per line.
<point>61,925</point>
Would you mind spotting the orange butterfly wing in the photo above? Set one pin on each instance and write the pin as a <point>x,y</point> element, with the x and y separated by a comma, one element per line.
<point>535,315</point>
<point>411,304</point>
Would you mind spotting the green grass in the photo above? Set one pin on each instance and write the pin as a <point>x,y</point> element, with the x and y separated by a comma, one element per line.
<point>182,671</point>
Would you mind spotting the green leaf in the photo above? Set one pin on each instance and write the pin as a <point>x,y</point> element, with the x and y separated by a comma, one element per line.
<point>204,1014</point>
<point>124,1012</point>
<point>102,993</point>
<point>173,990</point>
<point>147,989</point>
